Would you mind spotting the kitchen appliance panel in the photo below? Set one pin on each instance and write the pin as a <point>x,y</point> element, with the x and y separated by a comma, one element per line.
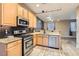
<point>22,22</point>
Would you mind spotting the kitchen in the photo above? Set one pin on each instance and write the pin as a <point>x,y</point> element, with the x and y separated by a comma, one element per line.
<point>25,32</point>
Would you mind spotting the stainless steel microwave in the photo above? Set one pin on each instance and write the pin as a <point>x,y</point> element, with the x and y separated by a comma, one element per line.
<point>22,22</point>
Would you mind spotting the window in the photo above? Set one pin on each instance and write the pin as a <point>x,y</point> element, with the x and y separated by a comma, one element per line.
<point>73,26</point>
<point>51,26</point>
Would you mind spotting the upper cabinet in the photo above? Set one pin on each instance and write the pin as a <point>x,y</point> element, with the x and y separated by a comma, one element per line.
<point>32,20</point>
<point>20,10</point>
<point>9,13</point>
<point>25,11</point>
<point>35,20</point>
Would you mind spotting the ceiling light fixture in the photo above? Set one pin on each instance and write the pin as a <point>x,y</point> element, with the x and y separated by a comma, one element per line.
<point>49,18</point>
<point>37,5</point>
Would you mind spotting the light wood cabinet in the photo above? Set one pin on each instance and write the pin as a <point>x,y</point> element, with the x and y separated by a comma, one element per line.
<point>34,40</point>
<point>20,10</point>
<point>15,50</point>
<point>0,13</point>
<point>9,13</point>
<point>32,20</point>
<point>45,40</point>
<point>11,49</point>
<point>39,39</point>
<point>25,11</point>
<point>42,40</point>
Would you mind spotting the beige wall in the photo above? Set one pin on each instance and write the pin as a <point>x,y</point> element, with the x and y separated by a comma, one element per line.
<point>63,27</point>
<point>77,34</point>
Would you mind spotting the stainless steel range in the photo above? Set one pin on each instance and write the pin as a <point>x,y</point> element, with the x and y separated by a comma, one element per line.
<point>27,40</point>
<point>27,44</point>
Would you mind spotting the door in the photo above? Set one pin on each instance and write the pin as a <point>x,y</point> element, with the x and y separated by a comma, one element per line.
<point>9,14</point>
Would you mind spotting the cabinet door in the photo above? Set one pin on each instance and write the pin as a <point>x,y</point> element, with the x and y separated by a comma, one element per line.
<point>30,19</point>
<point>52,41</point>
<point>34,22</point>
<point>25,11</point>
<point>0,13</point>
<point>39,40</point>
<point>45,41</point>
<point>15,50</point>
<point>34,40</point>
<point>20,10</point>
<point>9,14</point>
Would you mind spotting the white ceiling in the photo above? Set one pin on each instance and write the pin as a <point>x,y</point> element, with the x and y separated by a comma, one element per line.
<point>68,10</point>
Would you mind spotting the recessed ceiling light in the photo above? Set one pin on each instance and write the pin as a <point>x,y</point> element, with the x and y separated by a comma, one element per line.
<point>37,5</point>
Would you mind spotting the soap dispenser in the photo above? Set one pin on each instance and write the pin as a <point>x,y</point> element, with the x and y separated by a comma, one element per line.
<point>6,31</point>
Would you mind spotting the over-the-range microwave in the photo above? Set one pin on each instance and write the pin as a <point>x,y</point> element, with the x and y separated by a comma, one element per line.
<point>22,22</point>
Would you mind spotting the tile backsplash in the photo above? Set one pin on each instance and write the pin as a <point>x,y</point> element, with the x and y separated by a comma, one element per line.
<point>3,31</point>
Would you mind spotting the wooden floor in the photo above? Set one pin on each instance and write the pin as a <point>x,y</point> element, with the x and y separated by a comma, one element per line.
<point>68,49</point>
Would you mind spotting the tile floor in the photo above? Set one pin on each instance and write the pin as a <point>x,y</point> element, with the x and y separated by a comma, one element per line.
<point>68,49</point>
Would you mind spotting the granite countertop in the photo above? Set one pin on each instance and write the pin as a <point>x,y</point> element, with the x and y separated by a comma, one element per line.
<point>53,33</point>
<point>47,33</point>
<point>9,39</point>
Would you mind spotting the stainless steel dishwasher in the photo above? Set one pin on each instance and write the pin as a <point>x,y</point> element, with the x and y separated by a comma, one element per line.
<point>53,41</point>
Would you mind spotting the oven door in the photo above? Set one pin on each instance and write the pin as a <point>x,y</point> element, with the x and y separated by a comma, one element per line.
<point>28,45</point>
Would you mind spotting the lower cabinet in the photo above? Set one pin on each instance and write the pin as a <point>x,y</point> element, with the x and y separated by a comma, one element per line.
<point>42,40</point>
<point>14,51</point>
<point>45,41</point>
<point>34,40</point>
<point>11,49</point>
<point>39,39</point>
<point>49,40</point>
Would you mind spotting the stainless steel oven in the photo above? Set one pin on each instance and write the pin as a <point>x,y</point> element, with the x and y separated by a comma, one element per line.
<point>27,42</point>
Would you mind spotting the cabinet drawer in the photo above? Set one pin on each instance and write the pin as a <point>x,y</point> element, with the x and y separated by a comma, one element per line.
<point>39,35</point>
<point>19,41</point>
<point>13,44</point>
